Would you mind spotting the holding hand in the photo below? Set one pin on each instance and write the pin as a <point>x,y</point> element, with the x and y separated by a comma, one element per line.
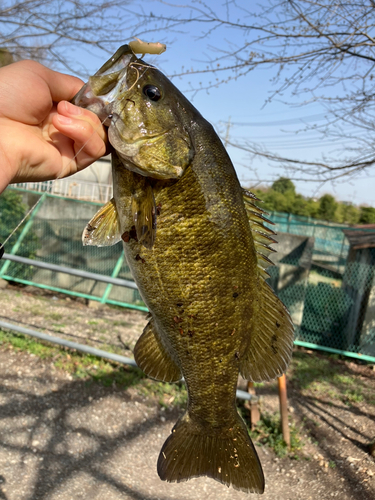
<point>40,131</point>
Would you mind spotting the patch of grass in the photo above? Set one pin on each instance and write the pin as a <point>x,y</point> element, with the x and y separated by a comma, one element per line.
<point>77,364</point>
<point>92,322</point>
<point>320,375</point>
<point>121,323</point>
<point>58,326</point>
<point>166,394</point>
<point>21,343</point>
<point>268,432</point>
<point>36,311</point>
<point>353,395</point>
<point>99,370</point>
<point>54,316</point>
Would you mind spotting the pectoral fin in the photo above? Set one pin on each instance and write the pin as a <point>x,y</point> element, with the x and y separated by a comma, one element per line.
<point>268,354</point>
<point>153,358</point>
<point>104,228</point>
<point>144,212</point>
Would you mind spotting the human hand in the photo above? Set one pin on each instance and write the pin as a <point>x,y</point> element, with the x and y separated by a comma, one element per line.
<point>40,131</point>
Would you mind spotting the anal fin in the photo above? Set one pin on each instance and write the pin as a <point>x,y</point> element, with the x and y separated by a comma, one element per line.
<point>270,348</point>
<point>153,358</point>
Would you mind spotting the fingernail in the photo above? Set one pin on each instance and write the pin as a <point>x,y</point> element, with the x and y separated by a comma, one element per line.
<point>71,109</point>
<point>64,120</point>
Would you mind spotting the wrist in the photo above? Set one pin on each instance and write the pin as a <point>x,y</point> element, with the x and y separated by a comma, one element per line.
<point>8,156</point>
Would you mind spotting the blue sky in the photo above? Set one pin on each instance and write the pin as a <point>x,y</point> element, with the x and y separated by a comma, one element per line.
<point>242,102</point>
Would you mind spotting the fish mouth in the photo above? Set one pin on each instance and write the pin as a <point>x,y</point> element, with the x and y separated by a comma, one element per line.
<point>101,92</point>
<point>105,95</point>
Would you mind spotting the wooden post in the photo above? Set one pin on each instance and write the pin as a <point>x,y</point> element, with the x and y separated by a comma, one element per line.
<point>253,405</point>
<point>284,409</point>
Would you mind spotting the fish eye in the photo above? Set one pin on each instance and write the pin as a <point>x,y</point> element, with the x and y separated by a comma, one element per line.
<point>152,92</point>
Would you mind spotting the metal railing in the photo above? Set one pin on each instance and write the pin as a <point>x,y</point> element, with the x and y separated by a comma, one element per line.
<point>93,351</point>
<point>69,188</point>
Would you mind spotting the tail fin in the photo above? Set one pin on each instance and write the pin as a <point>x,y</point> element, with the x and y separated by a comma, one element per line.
<point>227,456</point>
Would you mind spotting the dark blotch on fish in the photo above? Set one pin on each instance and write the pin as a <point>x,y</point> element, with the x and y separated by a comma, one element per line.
<point>273,346</point>
<point>133,234</point>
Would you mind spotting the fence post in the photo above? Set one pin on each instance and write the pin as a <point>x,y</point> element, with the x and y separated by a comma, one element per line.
<point>253,405</point>
<point>114,274</point>
<point>281,382</point>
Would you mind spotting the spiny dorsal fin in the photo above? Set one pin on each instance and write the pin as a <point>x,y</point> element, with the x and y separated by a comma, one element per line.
<point>103,230</point>
<point>261,233</point>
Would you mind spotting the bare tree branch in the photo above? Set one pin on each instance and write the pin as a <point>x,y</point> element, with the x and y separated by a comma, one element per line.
<point>322,51</point>
<point>51,30</point>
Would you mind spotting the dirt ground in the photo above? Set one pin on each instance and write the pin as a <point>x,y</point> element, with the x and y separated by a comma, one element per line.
<point>63,438</point>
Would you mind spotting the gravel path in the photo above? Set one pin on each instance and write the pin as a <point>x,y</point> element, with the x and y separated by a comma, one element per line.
<point>69,439</point>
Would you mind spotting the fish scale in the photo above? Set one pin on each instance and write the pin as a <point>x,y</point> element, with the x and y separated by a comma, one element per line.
<point>197,248</point>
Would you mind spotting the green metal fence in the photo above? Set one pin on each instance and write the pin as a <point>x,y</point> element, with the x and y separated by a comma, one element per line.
<point>329,291</point>
<point>330,246</point>
<point>53,234</point>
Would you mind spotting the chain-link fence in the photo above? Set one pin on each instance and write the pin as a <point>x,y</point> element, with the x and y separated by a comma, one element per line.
<point>327,283</point>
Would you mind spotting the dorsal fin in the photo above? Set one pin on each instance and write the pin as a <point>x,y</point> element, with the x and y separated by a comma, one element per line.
<point>261,233</point>
<point>270,346</point>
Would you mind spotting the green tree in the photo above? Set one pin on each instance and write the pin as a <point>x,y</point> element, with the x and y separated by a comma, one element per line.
<point>301,206</point>
<point>348,214</point>
<point>327,207</point>
<point>284,185</point>
<point>367,215</point>
<point>11,212</point>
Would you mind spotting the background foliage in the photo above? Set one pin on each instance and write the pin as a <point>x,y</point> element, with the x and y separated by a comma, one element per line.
<point>282,197</point>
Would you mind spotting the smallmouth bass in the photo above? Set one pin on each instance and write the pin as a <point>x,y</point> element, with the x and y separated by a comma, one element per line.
<point>197,248</point>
